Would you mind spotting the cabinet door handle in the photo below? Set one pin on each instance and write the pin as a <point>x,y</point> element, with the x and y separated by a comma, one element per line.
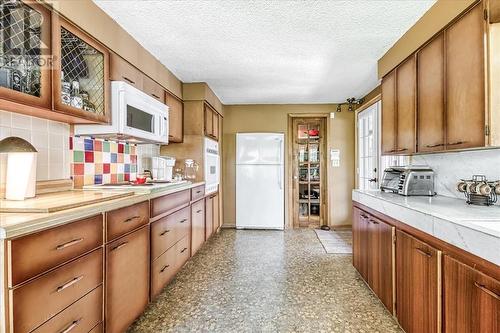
<point>487,291</point>
<point>164,232</point>
<point>119,246</point>
<point>69,283</point>
<point>457,143</point>
<point>184,249</point>
<point>436,145</point>
<point>199,191</point>
<point>130,219</point>
<point>71,326</point>
<point>422,252</point>
<point>373,221</point>
<point>170,136</point>
<point>164,268</point>
<point>364,216</point>
<point>128,80</point>
<point>198,211</point>
<point>155,96</point>
<point>400,150</point>
<point>68,244</point>
<point>183,220</point>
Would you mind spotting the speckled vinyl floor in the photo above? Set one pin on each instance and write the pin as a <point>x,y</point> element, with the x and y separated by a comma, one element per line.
<point>266,281</point>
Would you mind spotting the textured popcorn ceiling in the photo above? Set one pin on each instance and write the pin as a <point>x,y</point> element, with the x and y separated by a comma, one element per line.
<point>273,51</point>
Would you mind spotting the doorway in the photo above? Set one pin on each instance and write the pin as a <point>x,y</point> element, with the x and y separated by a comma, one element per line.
<point>309,174</point>
<point>368,147</point>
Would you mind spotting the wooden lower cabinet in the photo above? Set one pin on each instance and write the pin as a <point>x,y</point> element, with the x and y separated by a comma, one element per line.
<point>471,299</point>
<point>209,217</point>
<point>127,279</point>
<point>216,212</point>
<point>373,254</point>
<point>197,225</point>
<point>418,271</point>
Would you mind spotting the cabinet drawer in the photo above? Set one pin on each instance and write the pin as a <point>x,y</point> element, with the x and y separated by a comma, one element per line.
<point>163,270</point>
<point>34,254</point>
<point>81,317</point>
<point>121,70</point>
<point>182,252</point>
<point>42,298</point>
<point>123,220</point>
<point>169,203</point>
<point>197,192</point>
<point>153,89</point>
<point>169,230</point>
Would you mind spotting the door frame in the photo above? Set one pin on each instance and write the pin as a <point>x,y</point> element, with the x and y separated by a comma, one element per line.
<point>376,141</point>
<point>289,217</point>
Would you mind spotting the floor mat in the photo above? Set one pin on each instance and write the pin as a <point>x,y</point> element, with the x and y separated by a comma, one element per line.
<point>339,242</point>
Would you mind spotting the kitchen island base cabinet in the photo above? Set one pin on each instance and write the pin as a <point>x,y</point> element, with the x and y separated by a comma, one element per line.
<point>418,268</point>
<point>127,279</point>
<point>471,299</point>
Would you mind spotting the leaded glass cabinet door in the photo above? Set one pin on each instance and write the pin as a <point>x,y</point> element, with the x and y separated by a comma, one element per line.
<point>25,53</point>
<point>81,73</point>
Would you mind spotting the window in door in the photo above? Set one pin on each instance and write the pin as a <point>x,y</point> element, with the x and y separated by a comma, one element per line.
<point>368,147</point>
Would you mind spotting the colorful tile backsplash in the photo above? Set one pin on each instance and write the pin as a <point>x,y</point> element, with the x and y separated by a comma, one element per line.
<point>97,161</point>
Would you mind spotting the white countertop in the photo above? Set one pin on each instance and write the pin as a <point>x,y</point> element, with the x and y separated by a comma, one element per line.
<point>19,224</point>
<point>475,229</point>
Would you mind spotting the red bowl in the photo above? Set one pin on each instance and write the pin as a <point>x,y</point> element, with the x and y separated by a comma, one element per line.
<point>140,180</point>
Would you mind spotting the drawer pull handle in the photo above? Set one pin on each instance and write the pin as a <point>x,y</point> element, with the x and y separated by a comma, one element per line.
<point>164,232</point>
<point>364,216</point>
<point>164,268</point>
<point>155,96</point>
<point>71,326</point>
<point>436,145</point>
<point>128,80</point>
<point>198,211</point>
<point>119,246</point>
<point>486,290</point>
<point>130,219</point>
<point>183,220</point>
<point>457,143</point>
<point>422,252</point>
<point>69,283</point>
<point>199,191</point>
<point>184,249</point>
<point>373,221</point>
<point>68,244</point>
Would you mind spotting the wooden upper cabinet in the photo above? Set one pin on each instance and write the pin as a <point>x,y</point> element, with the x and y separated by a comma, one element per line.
<point>122,70</point>
<point>209,120</point>
<point>430,87</point>
<point>175,118</point>
<point>215,125</point>
<point>405,106</point>
<point>153,89</point>
<point>25,74</point>
<point>471,299</point>
<point>465,81</point>
<point>389,113</point>
<point>417,285</point>
<point>81,73</point>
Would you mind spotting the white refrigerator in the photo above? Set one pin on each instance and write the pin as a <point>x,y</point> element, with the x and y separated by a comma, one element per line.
<point>260,194</point>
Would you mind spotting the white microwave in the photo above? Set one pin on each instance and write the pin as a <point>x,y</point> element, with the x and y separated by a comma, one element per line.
<point>135,117</point>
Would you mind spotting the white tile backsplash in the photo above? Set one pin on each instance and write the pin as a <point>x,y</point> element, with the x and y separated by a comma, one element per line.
<point>50,138</point>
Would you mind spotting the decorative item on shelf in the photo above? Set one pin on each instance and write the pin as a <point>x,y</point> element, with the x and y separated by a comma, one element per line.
<point>479,191</point>
<point>21,168</point>
<point>76,99</point>
<point>190,169</point>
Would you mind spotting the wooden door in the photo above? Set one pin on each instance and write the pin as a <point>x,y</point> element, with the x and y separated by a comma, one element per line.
<point>127,279</point>
<point>175,118</point>
<point>209,121</point>
<point>215,125</point>
<point>153,89</point>
<point>465,80</point>
<point>405,105</point>
<point>30,47</point>
<point>209,217</point>
<point>122,70</point>
<point>379,251</point>
<point>389,113</point>
<point>216,212</point>
<point>360,242</point>
<point>471,299</point>
<point>81,73</point>
<point>430,85</point>
<point>197,225</point>
<point>417,285</point>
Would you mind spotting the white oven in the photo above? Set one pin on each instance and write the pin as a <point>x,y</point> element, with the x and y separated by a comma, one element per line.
<point>135,117</point>
<point>212,165</point>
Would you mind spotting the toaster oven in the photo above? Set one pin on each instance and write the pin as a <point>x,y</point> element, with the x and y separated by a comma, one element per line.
<point>409,180</point>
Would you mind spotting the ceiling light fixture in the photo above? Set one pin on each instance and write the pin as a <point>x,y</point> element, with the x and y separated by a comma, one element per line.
<point>350,102</point>
<point>339,108</point>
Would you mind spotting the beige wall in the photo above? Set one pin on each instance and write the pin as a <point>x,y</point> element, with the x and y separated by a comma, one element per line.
<point>435,19</point>
<point>274,118</point>
<point>93,20</point>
